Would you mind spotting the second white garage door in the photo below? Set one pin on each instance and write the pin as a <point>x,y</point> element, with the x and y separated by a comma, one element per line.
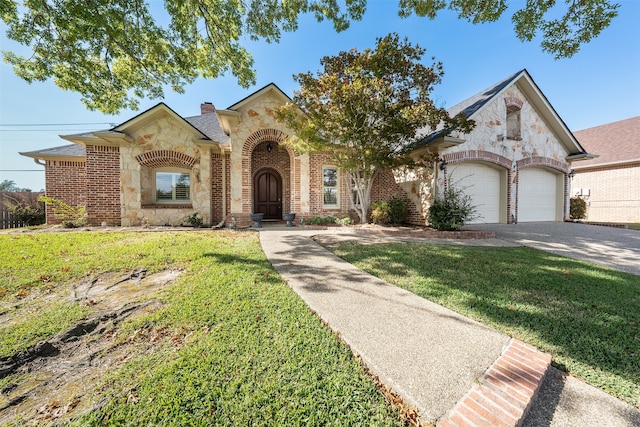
<point>537,195</point>
<point>482,184</point>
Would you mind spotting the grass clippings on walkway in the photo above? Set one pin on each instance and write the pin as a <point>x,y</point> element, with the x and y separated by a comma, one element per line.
<point>232,344</point>
<point>586,316</point>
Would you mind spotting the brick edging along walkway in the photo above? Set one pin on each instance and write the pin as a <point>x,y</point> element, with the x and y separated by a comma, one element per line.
<point>506,390</point>
<point>430,234</point>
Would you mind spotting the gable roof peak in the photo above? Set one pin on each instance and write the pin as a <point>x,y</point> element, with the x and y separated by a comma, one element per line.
<point>265,89</point>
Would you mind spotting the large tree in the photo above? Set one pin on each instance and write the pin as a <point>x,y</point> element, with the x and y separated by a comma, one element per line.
<point>116,52</point>
<point>365,109</point>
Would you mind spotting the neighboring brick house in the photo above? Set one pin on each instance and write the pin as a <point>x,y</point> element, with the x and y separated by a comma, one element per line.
<point>610,183</point>
<point>160,167</point>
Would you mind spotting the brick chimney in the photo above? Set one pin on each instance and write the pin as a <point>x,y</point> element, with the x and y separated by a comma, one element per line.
<point>207,108</point>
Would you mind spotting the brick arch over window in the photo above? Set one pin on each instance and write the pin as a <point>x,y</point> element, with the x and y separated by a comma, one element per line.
<point>531,162</point>
<point>513,103</point>
<point>166,158</point>
<point>478,156</point>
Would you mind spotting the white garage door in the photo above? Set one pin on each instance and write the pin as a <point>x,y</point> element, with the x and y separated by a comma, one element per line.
<point>482,183</point>
<point>537,195</point>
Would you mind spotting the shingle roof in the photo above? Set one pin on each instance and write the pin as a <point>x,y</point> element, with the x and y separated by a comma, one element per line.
<point>209,125</point>
<point>614,142</point>
<point>70,150</point>
<point>469,106</point>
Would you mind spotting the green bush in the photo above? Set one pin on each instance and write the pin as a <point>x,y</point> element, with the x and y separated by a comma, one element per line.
<point>452,210</point>
<point>194,220</point>
<point>322,220</point>
<point>394,211</point>
<point>577,208</point>
<point>30,212</point>
<point>344,220</point>
<point>398,210</point>
<point>380,213</point>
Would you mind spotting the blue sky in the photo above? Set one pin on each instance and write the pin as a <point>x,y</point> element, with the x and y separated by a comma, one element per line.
<point>600,84</point>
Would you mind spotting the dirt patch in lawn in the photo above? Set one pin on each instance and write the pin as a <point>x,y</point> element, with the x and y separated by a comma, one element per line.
<point>53,379</point>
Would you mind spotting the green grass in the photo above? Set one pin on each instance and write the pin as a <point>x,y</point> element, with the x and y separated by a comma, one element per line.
<point>587,317</point>
<point>238,347</point>
<point>634,226</point>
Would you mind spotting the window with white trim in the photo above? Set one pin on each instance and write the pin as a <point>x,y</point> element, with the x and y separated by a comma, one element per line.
<point>330,187</point>
<point>172,186</point>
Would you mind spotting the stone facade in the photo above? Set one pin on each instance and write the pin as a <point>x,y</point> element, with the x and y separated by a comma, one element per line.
<point>489,142</point>
<point>166,143</point>
<point>223,151</point>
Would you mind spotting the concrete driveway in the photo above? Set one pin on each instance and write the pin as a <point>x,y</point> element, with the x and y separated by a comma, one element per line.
<point>607,246</point>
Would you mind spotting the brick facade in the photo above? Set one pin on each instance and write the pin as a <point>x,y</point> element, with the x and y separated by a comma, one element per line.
<point>65,181</point>
<point>385,188</point>
<point>103,185</point>
<point>218,184</point>
<point>612,193</point>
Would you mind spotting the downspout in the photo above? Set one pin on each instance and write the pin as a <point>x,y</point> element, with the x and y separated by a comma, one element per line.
<point>224,191</point>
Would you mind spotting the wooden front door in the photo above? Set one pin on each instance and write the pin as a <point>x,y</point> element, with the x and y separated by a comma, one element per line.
<point>267,194</point>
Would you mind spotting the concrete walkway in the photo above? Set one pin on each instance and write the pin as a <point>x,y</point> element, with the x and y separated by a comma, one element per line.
<point>430,356</point>
<point>452,370</point>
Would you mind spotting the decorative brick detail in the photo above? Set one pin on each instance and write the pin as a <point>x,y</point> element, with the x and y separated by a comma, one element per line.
<point>429,234</point>
<point>513,103</point>
<point>485,156</point>
<point>478,156</point>
<point>65,181</point>
<point>506,390</point>
<point>103,185</point>
<point>263,135</point>
<point>165,158</point>
<point>531,162</point>
<point>262,138</point>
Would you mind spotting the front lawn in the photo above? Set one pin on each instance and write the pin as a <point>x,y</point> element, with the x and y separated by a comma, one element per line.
<point>586,316</point>
<point>229,344</point>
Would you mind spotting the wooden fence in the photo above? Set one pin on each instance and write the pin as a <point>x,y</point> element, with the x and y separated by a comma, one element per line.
<point>7,218</point>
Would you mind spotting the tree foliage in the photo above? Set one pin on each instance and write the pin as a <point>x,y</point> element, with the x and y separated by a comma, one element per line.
<point>116,52</point>
<point>10,186</point>
<point>365,108</point>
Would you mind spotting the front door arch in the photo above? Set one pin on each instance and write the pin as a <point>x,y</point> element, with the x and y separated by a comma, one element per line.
<point>267,194</point>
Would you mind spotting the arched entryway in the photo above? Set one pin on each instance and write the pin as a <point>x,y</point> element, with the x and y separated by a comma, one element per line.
<point>267,193</point>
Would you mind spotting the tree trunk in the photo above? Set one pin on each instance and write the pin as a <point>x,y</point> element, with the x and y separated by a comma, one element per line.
<point>362,184</point>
